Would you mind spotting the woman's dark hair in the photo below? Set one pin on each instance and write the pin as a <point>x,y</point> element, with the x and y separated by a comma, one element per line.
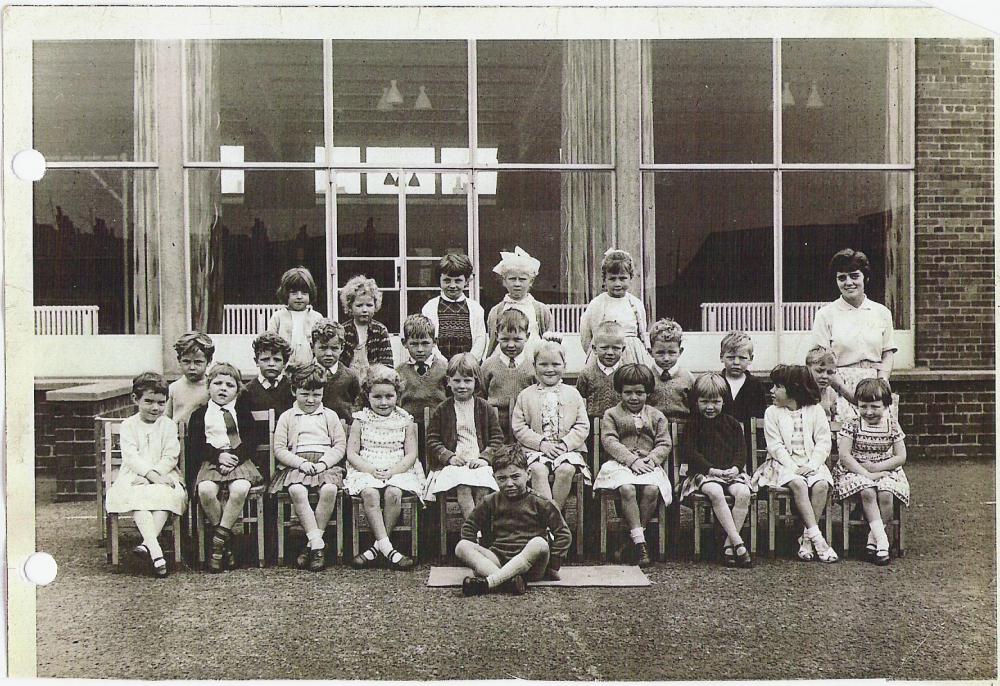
<point>848,260</point>
<point>633,375</point>
<point>798,382</point>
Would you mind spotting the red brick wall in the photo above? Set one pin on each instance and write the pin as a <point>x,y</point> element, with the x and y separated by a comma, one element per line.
<point>948,419</point>
<point>954,204</point>
<point>76,444</point>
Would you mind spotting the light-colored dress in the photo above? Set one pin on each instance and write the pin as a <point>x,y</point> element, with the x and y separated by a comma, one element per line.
<point>626,436</point>
<point>627,311</point>
<point>382,440</point>
<point>795,439</point>
<point>147,447</point>
<point>450,476</point>
<point>296,328</point>
<point>871,446</point>
<point>360,363</point>
<point>552,413</point>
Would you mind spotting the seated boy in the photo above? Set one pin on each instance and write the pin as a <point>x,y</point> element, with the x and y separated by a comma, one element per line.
<point>270,390</point>
<point>508,371</point>
<point>194,353</point>
<point>342,385</point>
<point>672,383</point>
<point>518,526</point>
<point>745,396</point>
<point>424,373</point>
<point>596,380</point>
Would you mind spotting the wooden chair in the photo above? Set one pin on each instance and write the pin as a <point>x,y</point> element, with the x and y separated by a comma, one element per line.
<point>108,429</point>
<point>609,504</point>
<point>896,525</point>
<point>449,512</point>
<point>253,513</point>
<point>284,501</point>
<point>701,508</point>
<point>779,498</point>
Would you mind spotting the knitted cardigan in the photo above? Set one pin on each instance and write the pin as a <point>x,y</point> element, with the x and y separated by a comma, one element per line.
<point>624,443</point>
<point>442,432</point>
<point>197,449</point>
<point>526,419</point>
<point>378,346</point>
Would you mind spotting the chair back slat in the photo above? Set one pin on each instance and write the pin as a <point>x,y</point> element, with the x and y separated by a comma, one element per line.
<point>756,457</point>
<point>111,448</point>
<point>266,417</point>
<point>597,445</point>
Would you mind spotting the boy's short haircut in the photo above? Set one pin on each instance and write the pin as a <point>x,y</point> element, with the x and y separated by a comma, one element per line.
<point>226,369</point>
<point>513,321</point>
<point>617,262</point>
<point>666,330</point>
<point>418,326</point>
<point>296,279</point>
<point>326,330</point>
<point>609,329</point>
<point>634,374</point>
<point>708,385</point>
<point>798,382</point>
<point>549,347</point>
<point>821,355</point>
<point>193,341</point>
<point>734,341</point>
<point>309,377</point>
<point>379,373</point>
<point>465,364</point>
<point>873,390</point>
<point>272,343</point>
<point>455,264</point>
<point>356,286</point>
<point>149,382</point>
<point>509,455</point>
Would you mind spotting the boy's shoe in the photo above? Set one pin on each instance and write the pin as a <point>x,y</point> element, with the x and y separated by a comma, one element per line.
<point>743,559</point>
<point>302,559</point>
<point>474,585</point>
<point>230,557</point>
<point>216,559</point>
<point>623,553</point>
<point>517,585</point>
<point>317,560</point>
<point>642,558</point>
<point>728,556</point>
<point>552,574</point>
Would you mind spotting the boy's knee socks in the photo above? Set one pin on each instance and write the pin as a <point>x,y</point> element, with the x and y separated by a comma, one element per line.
<point>315,539</point>
<point>638,535</point>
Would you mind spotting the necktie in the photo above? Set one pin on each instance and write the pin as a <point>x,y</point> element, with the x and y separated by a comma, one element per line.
<point>234,435</point>
<point>665,375</point>
<point>421,368</point>
<point>511,364</point>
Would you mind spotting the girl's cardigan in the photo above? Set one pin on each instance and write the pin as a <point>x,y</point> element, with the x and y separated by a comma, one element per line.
<point>378,346</point>
<point>595,314</point>
<point>442,432</point>
<point>286,434</point>
<point>197,450</point>
<point>526,419</point>
<point>281,322</point>
<point>543,317</point>
<point>778,430</point>
<point>625,444</point>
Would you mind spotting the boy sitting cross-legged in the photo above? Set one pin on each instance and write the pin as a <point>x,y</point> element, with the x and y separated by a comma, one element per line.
<point>517,525</point>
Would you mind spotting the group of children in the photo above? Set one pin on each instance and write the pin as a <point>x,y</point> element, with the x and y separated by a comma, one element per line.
<point>500,428</point>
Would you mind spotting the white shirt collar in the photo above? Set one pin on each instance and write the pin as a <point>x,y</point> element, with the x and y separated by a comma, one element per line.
<point>844,305</point>
<point>608,371</point>
<point>526,300</point>
<point>267,384</point>
<point>299,412</point>
<point>334,368</point>
<point>506,360</point>
<point>673,370</point>
<point>215,408</point>
<point>460,298</point>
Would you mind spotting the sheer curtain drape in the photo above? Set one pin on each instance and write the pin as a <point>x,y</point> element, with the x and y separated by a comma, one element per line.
<point>145,271</point>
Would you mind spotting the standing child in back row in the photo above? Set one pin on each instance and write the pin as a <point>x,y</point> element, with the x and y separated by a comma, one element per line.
<point>596,383</point>
<point>618,305</point>
<point>270,390</point>
<point>194,353</point>
<point>423,374</point>
<point>458,320</point>
<point>518,270</point>
<point>673,384</point>
<point>295,320</point>
<point>366,340</point>
<point>745,396</point>
<point>509,370</point>
<point>342,384</point>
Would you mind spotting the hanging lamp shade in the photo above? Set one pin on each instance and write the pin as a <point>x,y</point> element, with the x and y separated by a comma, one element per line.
<point>787,99</point>
<point>414,181</point>
<point>423,102</point>
<point>394,97</point>
<point>383,102</point>
<point>389,179</point>
<point>814,101</point>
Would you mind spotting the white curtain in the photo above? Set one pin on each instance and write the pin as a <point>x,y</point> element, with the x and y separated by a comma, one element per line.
<point>898,129</point>
<point>145,272</point>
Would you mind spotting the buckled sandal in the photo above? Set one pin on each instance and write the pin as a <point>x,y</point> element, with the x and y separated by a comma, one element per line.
<point>398,561</point>
<point>366,559</point>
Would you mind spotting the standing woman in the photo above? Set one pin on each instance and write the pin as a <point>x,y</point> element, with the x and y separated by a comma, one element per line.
<point>858,330</point>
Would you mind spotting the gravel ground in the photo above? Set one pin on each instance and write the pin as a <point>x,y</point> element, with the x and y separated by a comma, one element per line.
<point>931,615</point>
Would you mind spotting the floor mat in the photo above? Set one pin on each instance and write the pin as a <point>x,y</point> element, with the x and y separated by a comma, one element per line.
<point>576,575</point>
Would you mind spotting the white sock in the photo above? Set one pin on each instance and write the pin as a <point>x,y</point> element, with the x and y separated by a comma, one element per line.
<point>315,538</point>
<point>384,546</point>
<point>871,539</point>
<point>154,548</point>
<point>878,533</point>
<point>812,533</point>
<point>638,535</point>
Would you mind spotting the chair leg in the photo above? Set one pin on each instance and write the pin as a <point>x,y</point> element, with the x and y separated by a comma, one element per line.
<point>414,529</point>
<point>176,527</point>
<point>845,517</point>
<point>279,515</point>
<point>604,528</point>
<point>579,518</point>
<point>899,509</point>
<point>662,520</point>
<point>113,538</point>
<point>260,531</point>
<point>753,525</point>
<point>200,523</point>
<point>696,516</point>
<point>829,517</point>
<point>355,520</point>
<point>443,523</point>
<point>339,514</point>
<point>771,513</point>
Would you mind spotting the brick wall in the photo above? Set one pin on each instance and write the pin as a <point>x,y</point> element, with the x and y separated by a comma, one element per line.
<point>954,204</point>
<point>76,443</point>
<point>45,435</point>
<point>949,418</point>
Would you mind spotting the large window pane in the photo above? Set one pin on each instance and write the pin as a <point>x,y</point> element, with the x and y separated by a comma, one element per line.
<point>711,101</point>
<point>243,240</point>
<point>563,219</point>
<point>714,247</point>
<point>545,101</point>
<point>85,97</point>
<point>847,100</point>
<point>255,101</point>
<point>400,94</point>
<point>827,211</point>
<point>95,248</point>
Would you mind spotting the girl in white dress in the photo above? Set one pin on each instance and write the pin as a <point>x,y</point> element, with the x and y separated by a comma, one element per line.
<point>617,304</point>
<point>382,456</point>
<point>149,483</point>
<point>798,445</point>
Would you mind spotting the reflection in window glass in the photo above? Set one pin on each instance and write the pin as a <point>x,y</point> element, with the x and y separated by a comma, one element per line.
<point>714,243</point>
<point>825,212</point>
<point>711,101</point>
<point>265,96</point>
<point>242,243</point>
<point>847,100</point>
<point>546,101</point>
<point>400,94</point>
<point>95,246</point>
<point>563,219</point>
<point>85,95</point>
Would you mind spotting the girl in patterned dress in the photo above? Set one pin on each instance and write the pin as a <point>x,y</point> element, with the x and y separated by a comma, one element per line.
<point>798,445</point>
<point>382,456</point>
<point>550,421</point>
<point>617,304</point>
<point>872,455</point>
<point>366,340</point>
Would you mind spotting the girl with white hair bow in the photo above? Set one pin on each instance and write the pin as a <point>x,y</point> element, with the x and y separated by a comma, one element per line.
<point>517,271</point>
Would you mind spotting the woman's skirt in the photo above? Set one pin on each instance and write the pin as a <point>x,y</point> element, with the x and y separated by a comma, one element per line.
<point>244,470</point>
<point>773,473</point>
<point>412,481</point>
<point>451,476</point>
<point>693,483</point>
<point>847,483</point>
<point>290,475</point>
<point>614,475</point>
<point>573,458</point>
